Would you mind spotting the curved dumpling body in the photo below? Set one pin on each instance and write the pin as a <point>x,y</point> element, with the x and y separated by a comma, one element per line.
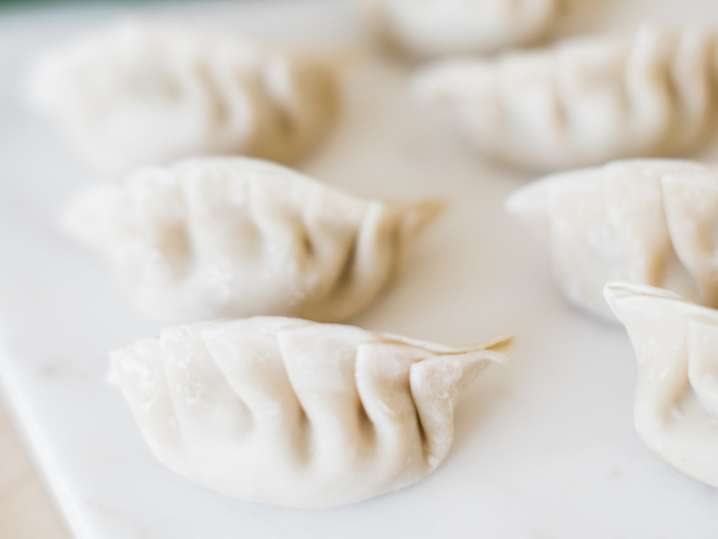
<point>234,237</point>
<point>141,94</point>
<point>439,27</point>
<point>294,413</point>
<point>650,222</point>
<point>677,395</point>
<point>586,101</point>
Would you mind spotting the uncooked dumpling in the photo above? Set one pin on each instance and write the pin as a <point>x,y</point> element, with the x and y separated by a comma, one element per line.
<point>651,222</point>
<point>294,413</point>
<point>235,237</point>
<point>442,27</point>
<point>676,405</point>
<point>584,102</point>
<point>139,94</point>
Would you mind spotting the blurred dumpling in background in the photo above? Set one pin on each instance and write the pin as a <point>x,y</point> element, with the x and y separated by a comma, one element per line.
<point>445,27</point>
<point>585,101</point>
<point>138,94</point>
<point>676,406</point>
<point>293,413</point>
<point>234,237</point>
<point>650,222</point>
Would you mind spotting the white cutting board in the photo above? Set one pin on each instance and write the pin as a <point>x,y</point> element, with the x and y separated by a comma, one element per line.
<point>545,446</point>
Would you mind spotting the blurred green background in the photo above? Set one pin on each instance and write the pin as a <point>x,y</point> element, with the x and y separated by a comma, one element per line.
<point>32,3</point>
<point>27,5</point>
<point>36,2</point>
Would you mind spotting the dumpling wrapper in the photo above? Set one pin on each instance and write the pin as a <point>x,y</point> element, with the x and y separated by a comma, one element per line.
<point>141,94</point>
<point>294,413</point>
<point>235,237</point>
<point>585,101</point>
<point>445,27</point>
<point>676,344</point>
<point>651,222</point>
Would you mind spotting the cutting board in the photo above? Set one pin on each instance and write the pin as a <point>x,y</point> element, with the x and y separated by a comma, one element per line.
<point>545,445</point>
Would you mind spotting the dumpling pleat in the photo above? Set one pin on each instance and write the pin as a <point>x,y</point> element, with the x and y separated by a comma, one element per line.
<point>703,363</point>
<point>253,366</point>
<point>330,401</point>
<point>435,385</point>
<point>382,378</point>
<point>209,412</point>
<point>691,211</point>
<point>694,71</point>
<point>677,397</point>
<point>368,262</point>
<point>139,371</point>
<point>649,89</point>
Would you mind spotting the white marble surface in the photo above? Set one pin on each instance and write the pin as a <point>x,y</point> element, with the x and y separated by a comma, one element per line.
<point>545,445</point>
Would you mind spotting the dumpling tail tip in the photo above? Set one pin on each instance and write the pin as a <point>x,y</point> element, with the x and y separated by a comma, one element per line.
<point>494,351</point>
<point>419,215</point>
<point>616,291</point>
<point>486,357</point>
<point>530,204</point>
<point>628,301</point>
<point>500,344</point>
<point>88,217</point>
<point>485,354</point>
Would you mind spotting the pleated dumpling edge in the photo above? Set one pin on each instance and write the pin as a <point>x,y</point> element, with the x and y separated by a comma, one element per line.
<point>584,101</point>
<point>294,413</point>
<point>646,221</point>
<point>676,402</point>
<point>140,93</point>
<point>235,237</point>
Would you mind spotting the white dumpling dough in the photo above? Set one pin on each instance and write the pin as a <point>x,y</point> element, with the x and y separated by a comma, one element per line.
<point>583,102</point>
<point>444,27</point>
<point>294,413</point>
<point>652,222</point>
<point>142,94</point>
<point>676,404</point>
<point>235,237</point>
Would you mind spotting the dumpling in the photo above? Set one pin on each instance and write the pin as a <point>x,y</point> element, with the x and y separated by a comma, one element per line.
<point>235,237</point>
<point>650,222</point>
<point>584,102</point>
<point>294,413</point>
<point>142,94</point>
<point>676,405</point>
<point>444,27</point>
